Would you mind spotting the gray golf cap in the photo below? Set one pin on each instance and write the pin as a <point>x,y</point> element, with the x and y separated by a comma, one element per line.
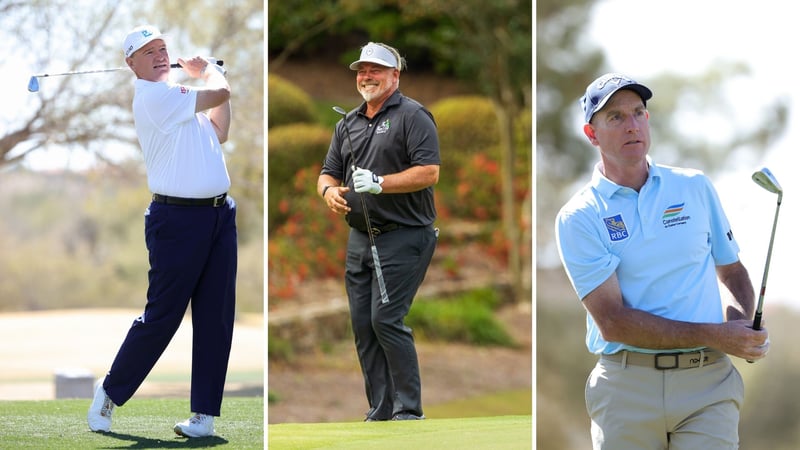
<point>601,89</point>
<point>376,54</point>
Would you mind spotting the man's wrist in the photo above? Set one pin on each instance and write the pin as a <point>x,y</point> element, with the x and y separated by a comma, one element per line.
<point>325,189</point>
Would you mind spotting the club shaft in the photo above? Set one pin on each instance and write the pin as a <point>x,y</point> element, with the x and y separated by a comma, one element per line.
<point>760,304</point>
<point>114,69</point>
<point>376,260</point>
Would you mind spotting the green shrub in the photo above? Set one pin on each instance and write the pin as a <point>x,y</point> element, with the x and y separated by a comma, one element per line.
<point>466,124</point>
<point>291,148</point>
<point>468,318</point>
<point>287,103</point>
<point>279,349</point>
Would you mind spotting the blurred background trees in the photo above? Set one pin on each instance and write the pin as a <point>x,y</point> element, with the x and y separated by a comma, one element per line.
<point>73,182</point>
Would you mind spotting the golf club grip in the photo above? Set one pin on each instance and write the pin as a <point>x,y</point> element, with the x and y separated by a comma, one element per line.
<point>178,66</point>
<point>756,326</point>
<point>376,261</point>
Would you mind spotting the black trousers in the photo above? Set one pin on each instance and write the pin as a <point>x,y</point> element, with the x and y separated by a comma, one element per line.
<point>385,345</point>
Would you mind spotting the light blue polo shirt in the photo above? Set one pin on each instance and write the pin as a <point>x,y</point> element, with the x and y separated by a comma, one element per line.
<point>663,243</point>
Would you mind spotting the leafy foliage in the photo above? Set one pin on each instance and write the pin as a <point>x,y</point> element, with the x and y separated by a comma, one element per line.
<point>466,124</point>
<point>310,243</point>
<point>291,148</point>
<point>467,318</point>
<point>288,104</point>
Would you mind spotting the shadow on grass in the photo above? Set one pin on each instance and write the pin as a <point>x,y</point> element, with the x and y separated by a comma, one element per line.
<point>177,442</point>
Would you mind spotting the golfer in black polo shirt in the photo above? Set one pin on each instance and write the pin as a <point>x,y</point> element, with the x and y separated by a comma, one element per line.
<point>396,151</point>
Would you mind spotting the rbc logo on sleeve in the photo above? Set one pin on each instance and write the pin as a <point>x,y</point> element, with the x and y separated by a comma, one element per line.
<point>616,228</point>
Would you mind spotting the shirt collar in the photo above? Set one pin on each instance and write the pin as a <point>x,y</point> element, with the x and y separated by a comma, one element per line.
<point>607,188</point>
<point>393,100</point>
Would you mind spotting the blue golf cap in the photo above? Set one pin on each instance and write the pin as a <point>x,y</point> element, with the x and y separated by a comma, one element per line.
<point>601,89</point>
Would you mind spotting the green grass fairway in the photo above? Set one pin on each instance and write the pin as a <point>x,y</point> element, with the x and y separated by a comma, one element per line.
<point>145,423</point>
<point>501,432</point>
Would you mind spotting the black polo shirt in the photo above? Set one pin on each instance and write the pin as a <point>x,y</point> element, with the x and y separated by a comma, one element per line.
<point>401,135</point>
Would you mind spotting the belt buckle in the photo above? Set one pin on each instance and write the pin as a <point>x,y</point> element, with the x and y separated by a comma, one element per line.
<point>375,231</point>
<point>218,201</point>
<point>675,362</point>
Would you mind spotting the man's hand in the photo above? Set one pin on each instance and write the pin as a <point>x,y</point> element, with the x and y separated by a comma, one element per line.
<point>334,198</point>
<point>199,67</point>
<point>366,181</point>
<point>738,338</point>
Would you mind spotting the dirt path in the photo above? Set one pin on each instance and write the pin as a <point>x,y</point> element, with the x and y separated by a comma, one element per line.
<point>33,346</point>
<point>329,387</point>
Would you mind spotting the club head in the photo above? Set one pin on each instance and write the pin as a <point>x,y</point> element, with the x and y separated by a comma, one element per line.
<point>764,178</point>
<point>340,110</point>
<point>33,85</point>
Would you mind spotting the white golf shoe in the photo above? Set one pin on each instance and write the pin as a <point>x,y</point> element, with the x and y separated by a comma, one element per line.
<point>99,416</point>
<point>199,425</point>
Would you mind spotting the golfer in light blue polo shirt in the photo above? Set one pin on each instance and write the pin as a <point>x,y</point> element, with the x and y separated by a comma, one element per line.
<point>662,242</point>
<point>646,247</point>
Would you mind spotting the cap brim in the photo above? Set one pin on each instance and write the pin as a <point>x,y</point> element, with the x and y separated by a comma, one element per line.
<point>645,93</point>
<point>149,40</point>
<point>380,62</point>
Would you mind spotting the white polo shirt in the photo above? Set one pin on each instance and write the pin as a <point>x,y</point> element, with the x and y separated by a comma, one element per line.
<point>663,243</point>
<point>181,151</point>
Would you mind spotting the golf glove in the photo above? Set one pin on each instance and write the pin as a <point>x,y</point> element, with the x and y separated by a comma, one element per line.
<point>212,62</point>
<point>366,181</point>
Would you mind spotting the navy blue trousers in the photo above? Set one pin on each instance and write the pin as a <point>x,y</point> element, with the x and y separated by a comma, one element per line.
<point>385,345</point>
<point>193,258</point>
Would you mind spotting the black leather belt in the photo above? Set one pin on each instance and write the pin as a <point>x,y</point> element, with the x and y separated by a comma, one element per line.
<point>216,202</point>
<point>378,230</point>
<point>666,361</point>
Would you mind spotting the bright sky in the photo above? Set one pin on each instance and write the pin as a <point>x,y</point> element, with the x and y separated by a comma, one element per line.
<point>643,39</point>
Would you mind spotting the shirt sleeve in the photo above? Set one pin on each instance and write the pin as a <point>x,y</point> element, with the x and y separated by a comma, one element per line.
<point>724,247</point>
<point>334,163</point>
<point>586,260</point>
<point>423,141</point>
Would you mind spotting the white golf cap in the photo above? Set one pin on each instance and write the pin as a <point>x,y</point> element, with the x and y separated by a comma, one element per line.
<point>139,37</point>
<point>377,54</point>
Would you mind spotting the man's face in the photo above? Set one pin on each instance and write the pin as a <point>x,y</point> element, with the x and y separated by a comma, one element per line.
<point>150,62</point>
<point>621,129</point>
<point>375,82</point>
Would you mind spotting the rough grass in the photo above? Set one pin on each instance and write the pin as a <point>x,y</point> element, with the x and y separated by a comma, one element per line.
<point>141,423</point>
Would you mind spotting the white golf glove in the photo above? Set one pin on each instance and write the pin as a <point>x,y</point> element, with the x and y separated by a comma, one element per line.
<point>212,62</point>
<point>366,181</point>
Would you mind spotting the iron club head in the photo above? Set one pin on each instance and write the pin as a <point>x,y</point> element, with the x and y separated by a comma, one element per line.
<point>33,85</point>
<point>764,178</point>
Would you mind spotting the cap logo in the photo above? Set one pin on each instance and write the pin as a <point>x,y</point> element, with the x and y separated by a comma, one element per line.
<point>369,51</point>
<point>617,80</point>
<point>146,33</point>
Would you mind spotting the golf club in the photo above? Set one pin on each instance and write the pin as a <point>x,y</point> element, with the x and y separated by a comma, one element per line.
<point>764,178</point>
<point>376,261</point>
<point>33,84</point>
